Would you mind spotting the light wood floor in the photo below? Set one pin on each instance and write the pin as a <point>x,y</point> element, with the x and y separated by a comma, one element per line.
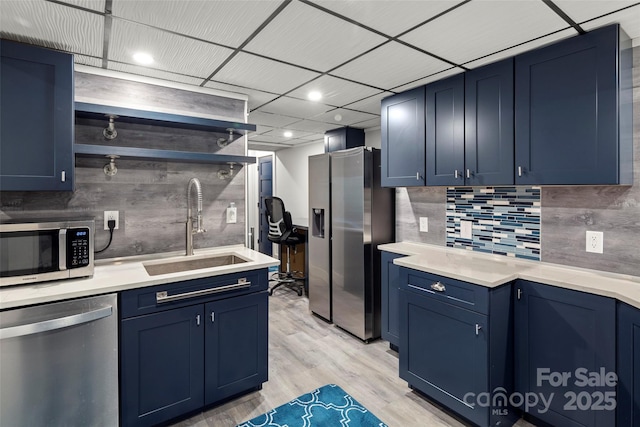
<point>306,353</point>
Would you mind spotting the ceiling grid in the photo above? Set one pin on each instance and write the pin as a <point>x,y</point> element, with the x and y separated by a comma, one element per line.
<point>276,51</point>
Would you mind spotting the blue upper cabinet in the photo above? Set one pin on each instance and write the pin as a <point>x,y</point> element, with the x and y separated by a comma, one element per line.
<point>445,131</point>
<point>488,125</point>
<point>573,111</point>
<point>403,139</point>
<point>36,120</point>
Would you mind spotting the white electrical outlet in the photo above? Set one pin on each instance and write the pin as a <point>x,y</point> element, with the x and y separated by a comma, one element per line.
<point>232,214</point>
<point>595,241</point>
<point>466,228</point>
<point>109,215</point>
<point>424,224</point>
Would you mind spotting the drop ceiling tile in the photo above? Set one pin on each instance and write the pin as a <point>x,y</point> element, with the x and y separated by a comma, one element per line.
<point>264,146</point>
<point>368,124</point>
<point>569,32</point>
<point>171,52</point>
<point>152,72</point>
<point>584,10</point>
<point>370,104</point>
<point>256,97</point>
<point>263,74</point>
<point>260,129</point>
<point>482,27</point>
<point>314,137</point>
<point>220,21</point>
<point>268,119</point>
<point>629,20</point>
<point>432,78</point>
<point>312,126</point>
<point>87,60</point>
<point>295,107</point>
<point>306,36</point>
<point>344,117</point>
<point>52,25</point>
<point>390,65</point>
<point>273,139</point>
<point>389,17</point>
<point>277,135</point>
<point>97,5</point>
<point>335,91</point>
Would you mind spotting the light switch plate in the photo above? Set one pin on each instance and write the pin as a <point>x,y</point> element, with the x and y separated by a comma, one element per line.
<point>595,242</point>
<point>424,224</point>
<point>466,229</point>
<point>232,215</point>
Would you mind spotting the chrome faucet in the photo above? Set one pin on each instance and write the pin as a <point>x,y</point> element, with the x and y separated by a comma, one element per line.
<point>190,231</point>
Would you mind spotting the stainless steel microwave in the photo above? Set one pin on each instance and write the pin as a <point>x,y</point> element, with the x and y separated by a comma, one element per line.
<point>41,251</point>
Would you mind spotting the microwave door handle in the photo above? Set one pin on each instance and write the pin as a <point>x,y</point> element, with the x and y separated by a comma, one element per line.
<point>62,249</point>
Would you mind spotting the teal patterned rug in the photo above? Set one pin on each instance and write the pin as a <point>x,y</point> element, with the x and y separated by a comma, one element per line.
<point>327,406</point>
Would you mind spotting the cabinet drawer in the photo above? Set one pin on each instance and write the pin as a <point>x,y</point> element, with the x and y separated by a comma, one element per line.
<point>455,292</point>
<point>151,299</point>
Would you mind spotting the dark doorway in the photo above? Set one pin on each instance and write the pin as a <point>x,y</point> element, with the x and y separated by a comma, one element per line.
<point>265,189</point>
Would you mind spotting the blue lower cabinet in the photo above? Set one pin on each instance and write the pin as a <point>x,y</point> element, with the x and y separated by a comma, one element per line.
<point>161,366</point>
<point>235,346</point>
<point>565,344</point>
<point>178,358</point>
<point>390,297</point>
<point>456,345</point>
<point>628,366</point>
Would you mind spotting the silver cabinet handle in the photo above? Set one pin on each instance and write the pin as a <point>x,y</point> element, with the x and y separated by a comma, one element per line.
<point>455,174</point>
<point>468,173</point>
<point>62,251</point>
<point>519,170</point>
<point>53,324</point>
<point>418,176</point>
<point>213,316</point>
<point>198,320</point>
<point>63,176</point>
<point>163,296</point>
<point>478,327</point>
<point>438,287</point>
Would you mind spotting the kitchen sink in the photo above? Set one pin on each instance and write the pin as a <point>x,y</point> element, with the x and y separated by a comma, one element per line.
<point>157,268</point>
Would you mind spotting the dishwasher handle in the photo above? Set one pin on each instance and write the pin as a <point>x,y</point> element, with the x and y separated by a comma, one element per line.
<point>53,324</point>
<point>163,296</point>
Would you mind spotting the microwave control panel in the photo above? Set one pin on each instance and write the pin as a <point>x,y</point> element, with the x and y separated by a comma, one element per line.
<point>77,247</point>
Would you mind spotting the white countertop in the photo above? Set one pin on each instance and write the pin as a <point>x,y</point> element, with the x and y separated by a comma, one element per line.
<point>494,270</point>
<point>115,275</point>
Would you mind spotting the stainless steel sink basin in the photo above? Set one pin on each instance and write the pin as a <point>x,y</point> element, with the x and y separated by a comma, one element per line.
<point>157,268</point>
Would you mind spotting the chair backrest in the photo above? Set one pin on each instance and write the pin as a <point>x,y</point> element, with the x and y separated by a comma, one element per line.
<point>280,225</point>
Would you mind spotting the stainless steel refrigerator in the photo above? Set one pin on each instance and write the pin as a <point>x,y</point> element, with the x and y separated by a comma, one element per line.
<point>349,215</point>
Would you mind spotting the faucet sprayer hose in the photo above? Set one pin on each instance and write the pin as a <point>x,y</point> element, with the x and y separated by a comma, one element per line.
<point>196,182</point>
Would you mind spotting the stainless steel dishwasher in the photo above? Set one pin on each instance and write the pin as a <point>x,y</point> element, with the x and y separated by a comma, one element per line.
<point>59,364</point>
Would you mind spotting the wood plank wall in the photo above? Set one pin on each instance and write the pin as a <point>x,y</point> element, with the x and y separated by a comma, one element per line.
<point>567,213</point>
<point>150,195</point>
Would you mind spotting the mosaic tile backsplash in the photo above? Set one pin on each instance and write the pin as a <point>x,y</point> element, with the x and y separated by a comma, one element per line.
<point>504,220</point>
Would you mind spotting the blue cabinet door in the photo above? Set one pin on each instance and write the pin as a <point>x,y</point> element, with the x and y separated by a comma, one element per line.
<point>402,140</point>
<point>489,130</point>
<point>568,103</point>
<point>444,353</point>
<point>561,333</point>
<point>36,129</point>
<point>235,346</point>
<point>445,131</point>
<point>161,365</point>
<point>390,297</point>
<point>628,366</point>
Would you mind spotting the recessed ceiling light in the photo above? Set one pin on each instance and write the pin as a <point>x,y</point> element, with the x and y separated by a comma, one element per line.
<point>337,117</point>
<point>288,134</point>
<point>143,58</point>
<point>314,95</point>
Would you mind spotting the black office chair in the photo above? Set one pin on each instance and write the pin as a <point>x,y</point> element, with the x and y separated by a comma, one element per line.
<point>282,232</point>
